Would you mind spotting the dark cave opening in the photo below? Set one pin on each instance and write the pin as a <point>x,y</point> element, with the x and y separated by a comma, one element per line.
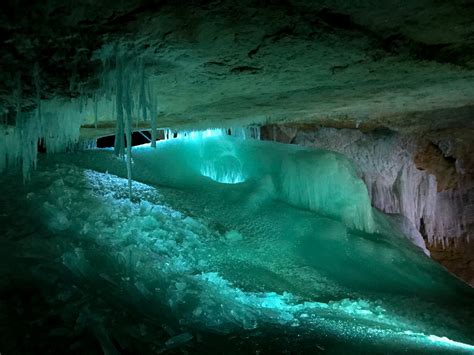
<point>138,138</point>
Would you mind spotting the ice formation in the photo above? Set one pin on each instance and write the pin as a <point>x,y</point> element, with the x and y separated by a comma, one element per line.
<point>56,126</point>
<point>134,97</point>
<point>395,185</point>
<point>126,95</point>
<point>182,264</point>
<point>243,132</point>
<point>317,180</point>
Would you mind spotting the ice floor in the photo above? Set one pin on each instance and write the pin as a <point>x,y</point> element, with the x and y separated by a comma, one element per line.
<point>227,246</point>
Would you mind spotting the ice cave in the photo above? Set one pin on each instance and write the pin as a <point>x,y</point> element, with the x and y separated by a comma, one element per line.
<point>237,177</point>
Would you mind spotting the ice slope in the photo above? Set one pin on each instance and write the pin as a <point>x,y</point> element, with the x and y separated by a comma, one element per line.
<point>215,265</point>
<point>317,180</point>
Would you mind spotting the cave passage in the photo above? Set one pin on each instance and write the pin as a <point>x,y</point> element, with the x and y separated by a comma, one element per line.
<point>138,138</point>
<point>226,241</point>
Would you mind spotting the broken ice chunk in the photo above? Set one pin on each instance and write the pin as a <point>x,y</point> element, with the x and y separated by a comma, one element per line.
<point>233,236</point>
<point>178,340</point>
<point>57,219</point>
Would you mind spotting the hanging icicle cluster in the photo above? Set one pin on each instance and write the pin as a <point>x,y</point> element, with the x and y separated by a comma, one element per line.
<point>54,123</point>
<point>248,132</point>
<point>134,97</point>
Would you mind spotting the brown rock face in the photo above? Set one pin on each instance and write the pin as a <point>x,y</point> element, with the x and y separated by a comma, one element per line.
<point>431,159</point>
<point>457,258</point>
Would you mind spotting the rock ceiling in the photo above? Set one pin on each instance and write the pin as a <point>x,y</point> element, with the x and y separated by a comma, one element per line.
<point>335,62</point>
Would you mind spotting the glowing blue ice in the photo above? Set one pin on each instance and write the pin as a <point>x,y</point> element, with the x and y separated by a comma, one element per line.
<point>224,257</point>
<point>317,180</point>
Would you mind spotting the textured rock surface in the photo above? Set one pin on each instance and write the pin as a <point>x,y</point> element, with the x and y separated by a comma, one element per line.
<point>432,160</point>
<point>226,62</point>
<point>389,163</point>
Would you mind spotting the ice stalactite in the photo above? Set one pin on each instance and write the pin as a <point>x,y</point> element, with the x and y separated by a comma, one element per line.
<point>123,100</point>
<point>127,105</point>
<point>134,98</point>
<point>194,134</point>
<point>247,132</point>
<point>153,105</point>
<point>29,136</point>
<point>325,181</point>
<point>10,147</point>
<point>61,125</point>
<point>148,102</point>
<point>119,148</point>
<point>36,77</point>
<point>55,123</point>
<point>96,109</point>
<point>385,162</point>
<point>27,133</point>
<point>142,102</point>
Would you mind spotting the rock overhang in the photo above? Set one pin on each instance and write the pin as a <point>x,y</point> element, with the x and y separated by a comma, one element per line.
<point>228,63</point>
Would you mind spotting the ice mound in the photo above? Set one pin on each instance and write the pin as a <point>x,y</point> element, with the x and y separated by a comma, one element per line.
<point>326,182</point>
<point>317,180</point>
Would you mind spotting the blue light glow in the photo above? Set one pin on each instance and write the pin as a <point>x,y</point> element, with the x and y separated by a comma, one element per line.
<point>448,341</point>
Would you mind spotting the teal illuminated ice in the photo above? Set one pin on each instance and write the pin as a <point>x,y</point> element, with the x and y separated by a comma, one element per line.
<point>320,181</point>
<point>231,237</point>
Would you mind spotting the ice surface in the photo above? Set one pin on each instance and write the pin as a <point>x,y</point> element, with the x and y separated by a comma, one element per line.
<point>201,263</point>
<point>317,180</point>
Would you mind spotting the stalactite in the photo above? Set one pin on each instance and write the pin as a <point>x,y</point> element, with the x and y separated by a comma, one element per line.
<point>105,83</point>
<point>36,78</point>
<point>96,109</point>
<point>127,105</point>
<point>152,102</point>
<point>28,136</point>
<point>142,97</point>
<point>119,148</point>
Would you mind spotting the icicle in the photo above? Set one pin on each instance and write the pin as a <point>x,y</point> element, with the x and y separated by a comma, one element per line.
<point>36,78</point>
<point>152,101</point>
<point>142,96</point>
<point>61,125</point>
<point>249,132</point>
<point>18,94</point>
<point>96,109</point>
<point>119,149</point>
<point>81,97</point>
<point>54,123</point>
<point>128,131</point>
<point>105,82</point>
<point>254,132</point>
<point>28,133</point>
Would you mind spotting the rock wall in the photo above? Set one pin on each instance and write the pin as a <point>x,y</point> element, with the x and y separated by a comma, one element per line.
<point>426,178</point>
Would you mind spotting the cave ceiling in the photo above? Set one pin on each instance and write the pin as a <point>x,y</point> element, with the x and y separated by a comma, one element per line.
<point>391,63</point>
